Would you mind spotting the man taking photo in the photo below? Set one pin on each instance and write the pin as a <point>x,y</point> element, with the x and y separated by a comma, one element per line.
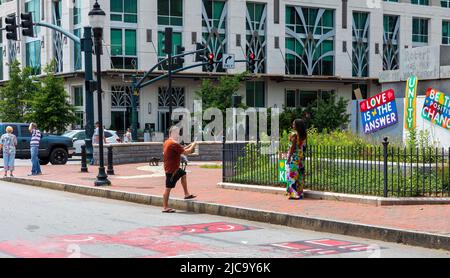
<point>172,158</point>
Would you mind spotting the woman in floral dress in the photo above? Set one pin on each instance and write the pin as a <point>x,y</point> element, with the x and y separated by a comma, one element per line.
<point>295,160</point>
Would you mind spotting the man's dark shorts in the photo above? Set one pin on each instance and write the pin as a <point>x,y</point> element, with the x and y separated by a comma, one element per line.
<point>172,179</point>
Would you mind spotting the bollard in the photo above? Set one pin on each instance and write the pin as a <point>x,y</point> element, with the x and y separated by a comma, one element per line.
<point>385,168</point>
<point>84,168</point>
<point>110,170</point>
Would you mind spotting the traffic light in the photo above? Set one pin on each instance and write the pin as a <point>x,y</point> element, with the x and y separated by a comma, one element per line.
<point>251,62</point>
<point>180,60</point>
<point>210,66</point>
<point>27,24</point>
<point>200,56</point>
<point>11,28</point>
<point>167,41</point>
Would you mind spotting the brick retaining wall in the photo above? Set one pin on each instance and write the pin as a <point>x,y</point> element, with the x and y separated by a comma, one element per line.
<point>143,152</point>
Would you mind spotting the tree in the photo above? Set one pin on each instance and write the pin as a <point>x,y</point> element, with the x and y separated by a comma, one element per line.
<point>16,95</point>
<point>324,114</point>
<point>329,114</point>
<point>51,109</point>
<point>218,94</point>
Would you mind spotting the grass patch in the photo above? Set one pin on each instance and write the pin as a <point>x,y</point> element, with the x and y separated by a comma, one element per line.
<point>208,166</point>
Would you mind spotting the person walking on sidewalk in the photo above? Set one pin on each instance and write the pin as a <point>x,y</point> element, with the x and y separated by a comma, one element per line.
<point>8,143</point>
<point>295,161</point>
<point>172,152</point>
<point>34,149</point>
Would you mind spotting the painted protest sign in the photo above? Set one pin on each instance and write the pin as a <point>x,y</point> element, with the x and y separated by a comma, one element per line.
<point>282,171</point>
<point>379,112</point>
<point>437,108</point>
<point>410,103</point>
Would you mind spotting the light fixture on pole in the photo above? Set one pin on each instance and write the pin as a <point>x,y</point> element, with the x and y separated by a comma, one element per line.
<point>97,21</point>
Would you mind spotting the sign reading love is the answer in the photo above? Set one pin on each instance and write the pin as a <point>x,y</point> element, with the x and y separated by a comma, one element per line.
<point>379,112</point>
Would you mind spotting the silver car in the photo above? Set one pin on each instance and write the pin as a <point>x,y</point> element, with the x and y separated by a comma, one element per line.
<point>78,138</point>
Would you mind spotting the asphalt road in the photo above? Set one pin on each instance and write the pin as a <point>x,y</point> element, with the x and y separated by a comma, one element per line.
<point>38,222</point>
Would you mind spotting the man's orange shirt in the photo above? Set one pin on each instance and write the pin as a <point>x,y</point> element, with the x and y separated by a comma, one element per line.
<point>172,155</point>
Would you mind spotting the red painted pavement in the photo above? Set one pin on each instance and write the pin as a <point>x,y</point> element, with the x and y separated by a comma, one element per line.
<point>202,182</point>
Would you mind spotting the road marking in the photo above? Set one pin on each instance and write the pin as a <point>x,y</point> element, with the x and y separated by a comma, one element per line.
<point>80,240</point>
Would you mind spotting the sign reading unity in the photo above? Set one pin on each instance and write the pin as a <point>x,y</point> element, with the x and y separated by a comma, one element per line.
<point>379,112</point>
<point>437,108</point>
<point>410,103</point>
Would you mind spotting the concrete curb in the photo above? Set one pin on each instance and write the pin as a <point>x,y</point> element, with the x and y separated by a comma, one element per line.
<point>413,238</point>
<point>351,198</point>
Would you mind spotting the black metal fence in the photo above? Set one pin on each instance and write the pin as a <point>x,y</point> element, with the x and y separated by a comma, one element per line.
<point>376,170</point>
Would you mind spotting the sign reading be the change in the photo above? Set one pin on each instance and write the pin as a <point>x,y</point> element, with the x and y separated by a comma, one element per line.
<point>379,112</point>
<point>437,108</point>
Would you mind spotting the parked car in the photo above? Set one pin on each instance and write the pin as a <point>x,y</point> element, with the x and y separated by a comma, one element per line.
<point>53,148</point>
<point>78,138</point>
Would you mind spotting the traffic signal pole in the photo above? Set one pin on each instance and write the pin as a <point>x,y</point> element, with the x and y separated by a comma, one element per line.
<point>86,46</point>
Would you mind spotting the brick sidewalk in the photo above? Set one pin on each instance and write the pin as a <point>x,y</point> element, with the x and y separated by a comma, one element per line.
<point>202,182</point>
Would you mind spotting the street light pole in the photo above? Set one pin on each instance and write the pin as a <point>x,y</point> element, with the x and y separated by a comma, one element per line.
<point>89,92</point>
<point>97,16</point>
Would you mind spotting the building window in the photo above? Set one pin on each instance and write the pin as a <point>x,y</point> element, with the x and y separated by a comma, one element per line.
<point>295,98</point>
<point>58,37</point>
<point>360,44</point>
<point>124,49</point>
<point>33,56</point>
<point>164,97</point>
<point>78,97</point>
<point>214,22</point>
<point>78,102</point>
<point>309,42</point>
<point>77,51</point>
<point>124,11</point>
<point>445,3</point>
<point>256,34</point>
<point>121,107</point>
<point>391,37</point>
<point>77,12</point>
<point>256,93</point>
<point>170,12</point>
<point>33,7</point>
<point>445,32</point>
<point>420,32</point>
<point>77,64</point>
<point>420,2</point>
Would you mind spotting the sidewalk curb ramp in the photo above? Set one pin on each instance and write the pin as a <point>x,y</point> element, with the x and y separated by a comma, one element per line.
<point>413,238</point>
<point>350,198</point>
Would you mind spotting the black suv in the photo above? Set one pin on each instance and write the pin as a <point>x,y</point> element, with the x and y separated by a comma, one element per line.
<point>53,148</point>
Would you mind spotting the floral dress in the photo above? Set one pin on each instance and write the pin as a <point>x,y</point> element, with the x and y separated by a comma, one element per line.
<point>296,168</point>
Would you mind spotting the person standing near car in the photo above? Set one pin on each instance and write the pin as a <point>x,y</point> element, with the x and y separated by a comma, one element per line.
<point>127,138</point>
<point>8,143</point>
<point>96,136</point>
<point>34,149</point>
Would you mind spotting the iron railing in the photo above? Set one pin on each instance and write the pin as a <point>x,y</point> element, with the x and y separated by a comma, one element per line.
<point>367,170</point>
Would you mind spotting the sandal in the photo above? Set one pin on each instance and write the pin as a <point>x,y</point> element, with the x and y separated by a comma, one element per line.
<point>169,211</point>
<point>190,197</point>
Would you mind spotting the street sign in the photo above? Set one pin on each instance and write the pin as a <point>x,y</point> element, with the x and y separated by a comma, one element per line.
<point>228,61</point>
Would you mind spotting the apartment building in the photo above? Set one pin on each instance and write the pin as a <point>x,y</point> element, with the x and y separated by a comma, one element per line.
<point>306,49</point>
